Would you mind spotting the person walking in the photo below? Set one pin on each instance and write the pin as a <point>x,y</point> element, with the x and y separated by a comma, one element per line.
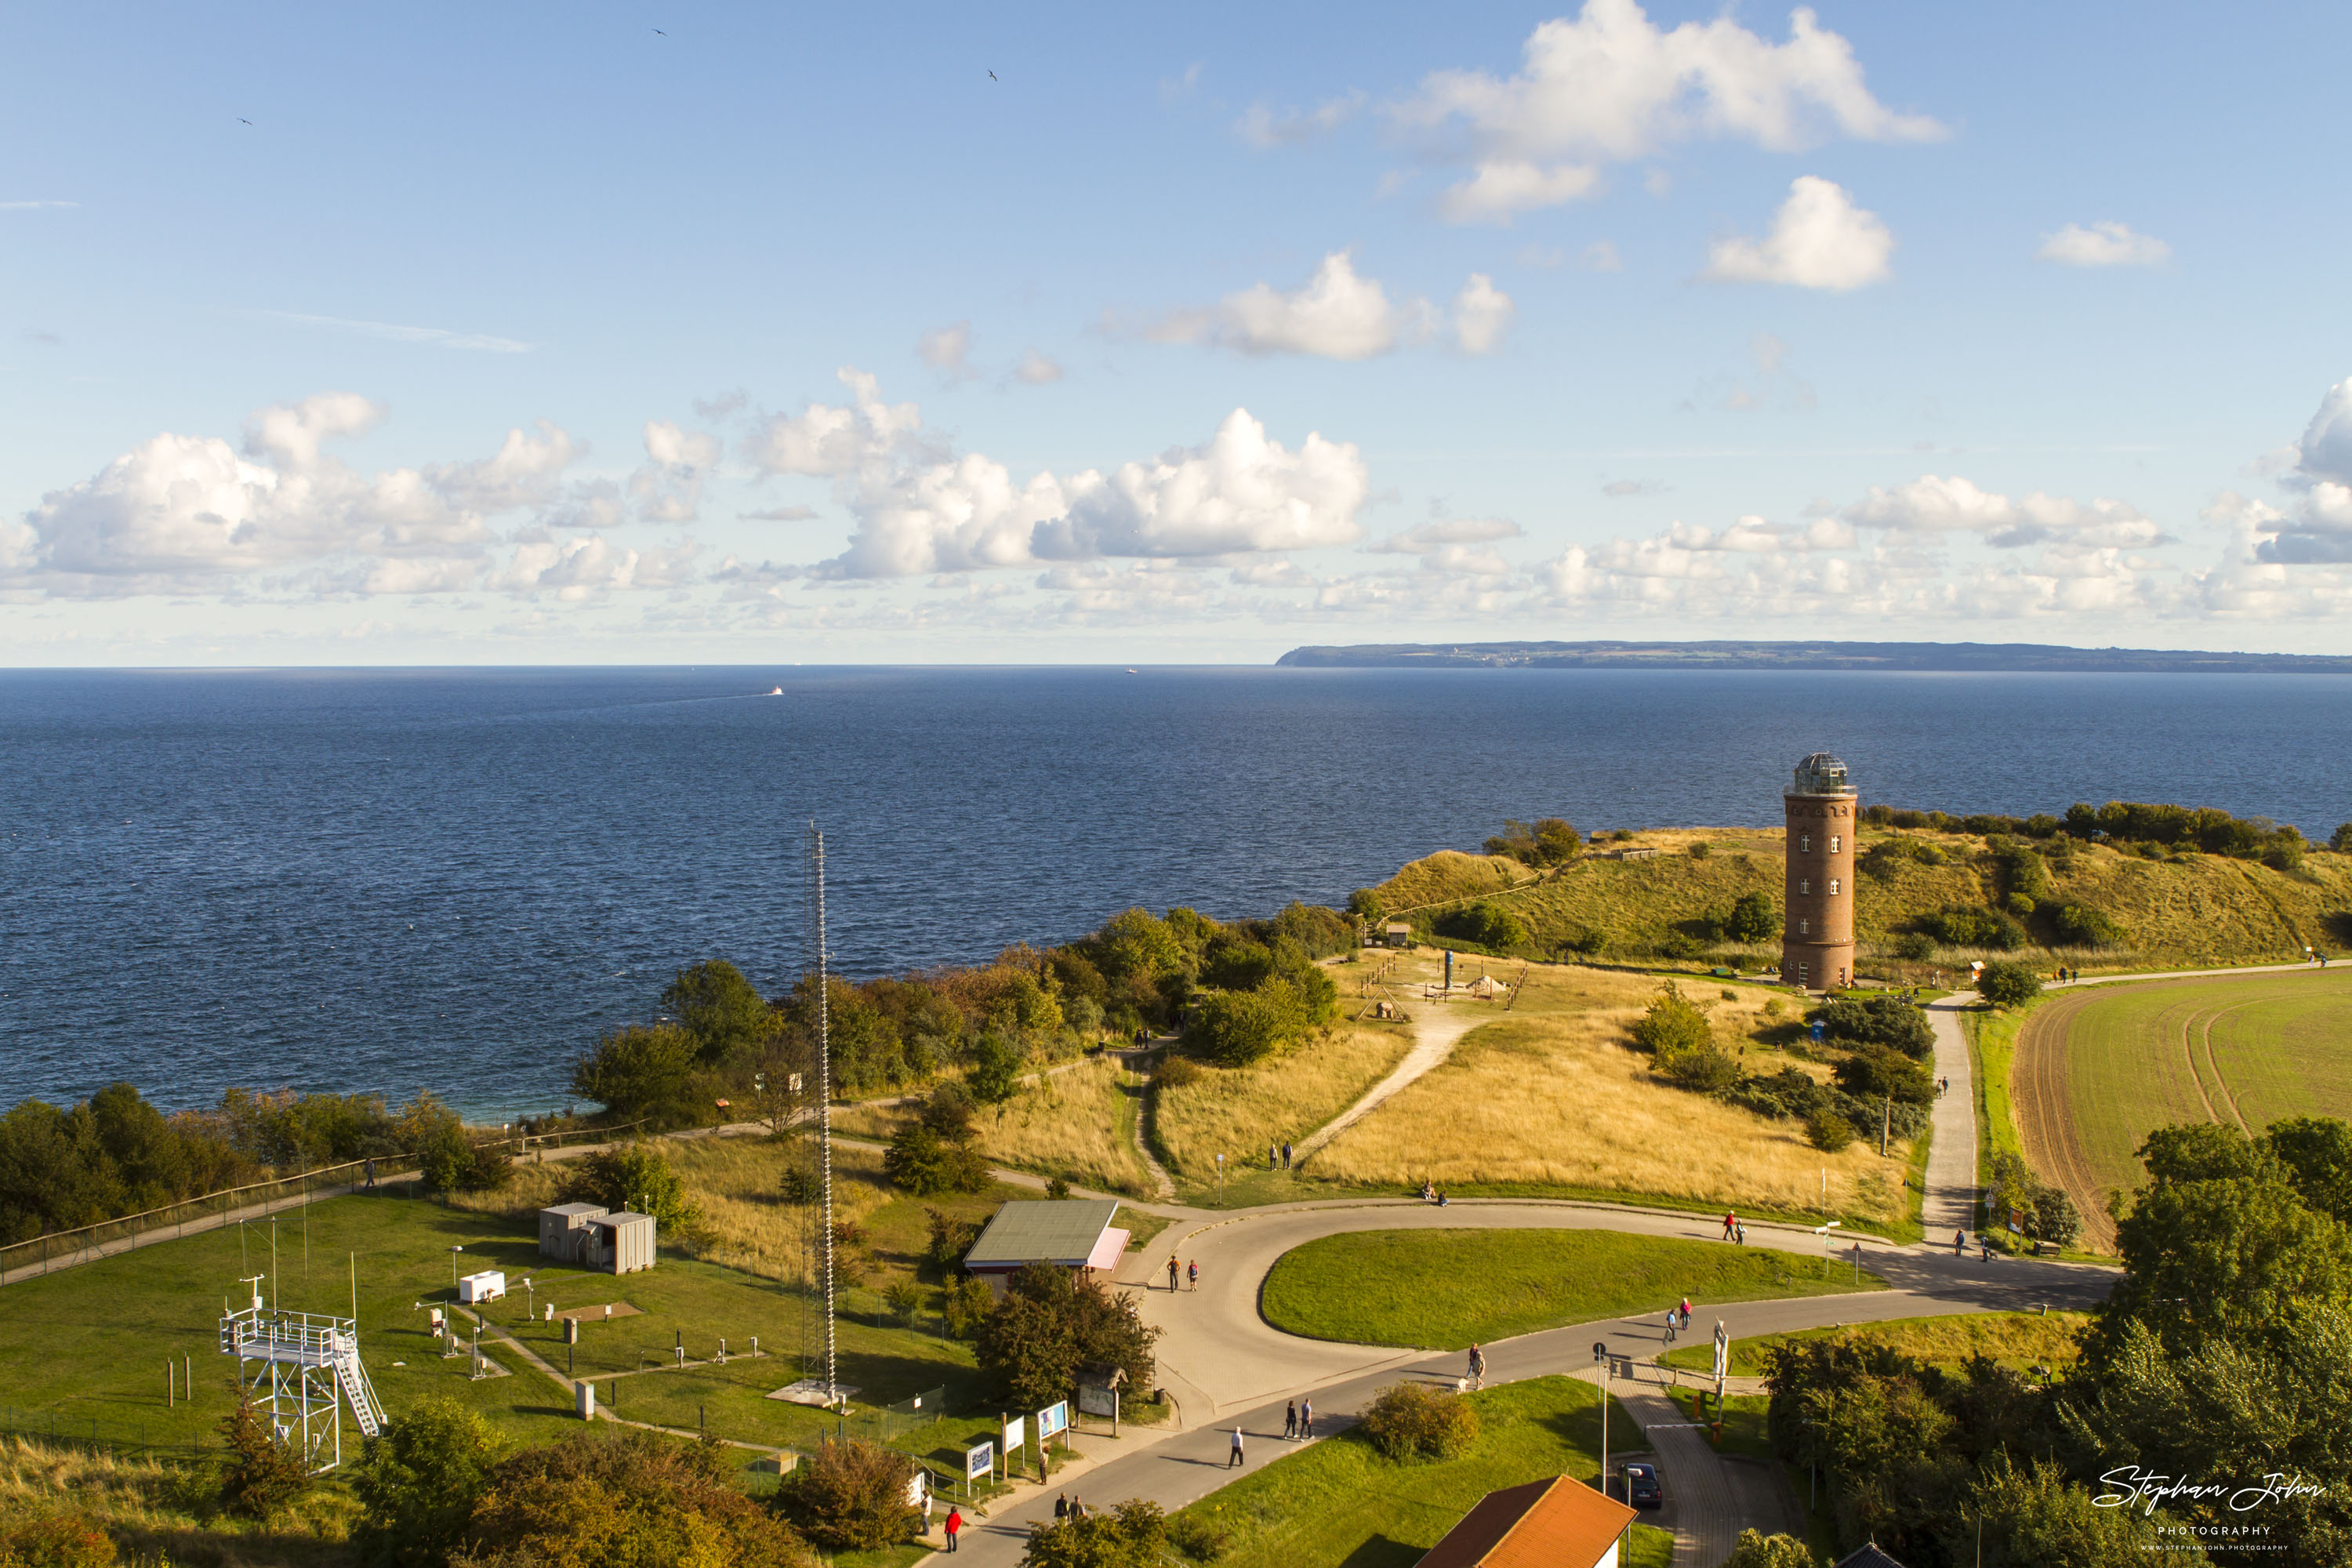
<point>1306,1419</point>
<point>1235,1457</point>
<point>1172,1273</point>
<point>1061,1506</point>
<point>1959,1242</point>
<point>955,1526</point>
<point>927,1512</point>
<point>1670,1325</point>
<point>1192,1270</point>
<point>1273,1157</point>
<point>1984,1248</point>
<point>1739,1232</point>
<point>1729,1221</point>
<point>1686,1310</point>
<point>1286,1156</point>
<point>1290,1420</point>
<point>1478,1367</point>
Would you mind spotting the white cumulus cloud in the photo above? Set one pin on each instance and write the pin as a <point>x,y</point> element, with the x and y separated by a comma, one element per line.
<point>1936,504</point>
<point>1819,239</point>
<point>1609,85</point>
<point>1037,369</point>
<point>1482,314</point>
<point>668,488</point>
<point>1338,314</point>
<point>922,509</point>
<point>2105,244</point>
<point>947,349</point>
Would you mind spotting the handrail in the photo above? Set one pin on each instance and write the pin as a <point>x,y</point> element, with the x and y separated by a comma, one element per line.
<point>202,1205</point>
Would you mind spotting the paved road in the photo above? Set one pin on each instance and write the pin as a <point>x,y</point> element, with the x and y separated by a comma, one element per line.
<point>1951,1198</point>
<point>1181,1467</point>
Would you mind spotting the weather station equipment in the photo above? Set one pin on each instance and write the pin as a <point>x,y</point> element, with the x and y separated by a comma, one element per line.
<point>300,1369</point>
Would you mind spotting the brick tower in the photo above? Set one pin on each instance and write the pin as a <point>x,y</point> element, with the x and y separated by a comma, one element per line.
<point>1816,931</point>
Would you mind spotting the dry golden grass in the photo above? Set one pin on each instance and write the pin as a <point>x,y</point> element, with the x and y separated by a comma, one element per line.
<point>737,1185</point>
<point>1076,1124</point>
<point>160,1513</point>
<point>1551,1094</point>
<point>1237,1112</point>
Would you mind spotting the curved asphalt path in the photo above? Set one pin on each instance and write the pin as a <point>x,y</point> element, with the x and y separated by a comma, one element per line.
<point>1226,1366</point>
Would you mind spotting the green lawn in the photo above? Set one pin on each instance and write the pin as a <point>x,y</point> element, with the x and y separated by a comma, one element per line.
<point>1444,1289</point>
<point>1339,1502</point>
<point>2015,1339</point>
<point>89,1344</point>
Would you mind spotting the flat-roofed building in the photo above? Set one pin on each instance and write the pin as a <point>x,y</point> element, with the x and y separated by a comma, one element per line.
<point>1069,1232</point>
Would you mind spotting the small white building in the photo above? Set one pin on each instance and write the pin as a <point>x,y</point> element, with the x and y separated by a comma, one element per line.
<point>490,1285</point>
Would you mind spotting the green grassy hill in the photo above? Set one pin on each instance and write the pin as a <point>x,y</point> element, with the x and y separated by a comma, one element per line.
<point>2186,908</point>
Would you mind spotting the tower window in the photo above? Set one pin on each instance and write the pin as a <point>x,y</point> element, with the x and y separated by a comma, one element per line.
<point>1834,882</point>
<point>1833,843</point>
<point>1804,885</point>
<point>1804,928</point>
<point>1804,843</point>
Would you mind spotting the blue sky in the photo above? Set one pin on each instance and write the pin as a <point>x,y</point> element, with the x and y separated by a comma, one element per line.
<point>532,333</point>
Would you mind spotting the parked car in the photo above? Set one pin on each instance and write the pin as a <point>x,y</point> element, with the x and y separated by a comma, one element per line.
<point>1642,1488</point>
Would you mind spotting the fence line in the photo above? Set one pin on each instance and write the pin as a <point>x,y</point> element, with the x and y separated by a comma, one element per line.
<point>120,1440</point>
<point>213,1211</point>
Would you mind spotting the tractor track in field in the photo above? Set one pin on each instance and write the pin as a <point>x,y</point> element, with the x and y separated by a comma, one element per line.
<point>2045,1119</point>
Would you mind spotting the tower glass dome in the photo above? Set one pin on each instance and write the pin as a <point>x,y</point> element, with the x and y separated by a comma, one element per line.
<point>1821,774</point>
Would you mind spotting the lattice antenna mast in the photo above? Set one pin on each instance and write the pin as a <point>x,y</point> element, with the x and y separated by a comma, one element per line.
<point>824,1098</point>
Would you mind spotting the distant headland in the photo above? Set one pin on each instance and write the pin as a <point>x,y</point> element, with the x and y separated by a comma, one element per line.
<point>1911,656</point>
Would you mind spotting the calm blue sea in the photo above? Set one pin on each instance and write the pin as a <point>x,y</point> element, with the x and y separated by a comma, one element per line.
<point>389,881</point>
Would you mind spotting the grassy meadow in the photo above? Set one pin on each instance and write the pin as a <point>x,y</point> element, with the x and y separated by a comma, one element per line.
<point>1238,1111</point>
<point>2013,1338</point>
<point>90,1342</point>
<point>2186,909</point>
<point>1447,1290</point>
<point>1553,1098</point>
<point>1338,1503</point>
<point>2095,1071</point>
<point>1078,1124</point>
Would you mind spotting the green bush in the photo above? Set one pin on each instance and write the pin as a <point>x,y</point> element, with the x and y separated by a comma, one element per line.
<point>1963,925</point>
<point>1134,1534</point>
<point>1700,850</point>
<point>1828,1130</point>
<point>634,1498</point>
<point>1753,918</point>
<point>1550,841</point>
<point>904,1298</point>
<point>1915,947</point>
<point>1238,1028</point>
<point>966,1306</point>
<point>634,1177</point>
<point>950,1238</point>
<point>56,1541</point>
<point>921,1163</point>
<point>1049,1322</point>
<point>1488,925</point>
<point>264,1475</point>
<point>1413,1420</point>
<point>2079,925</point>
<point>1881,1018</point>
<point>1706,1070</point>
<point>644,1071</point>
<point>1755,1550</point>
<point>1175,1071</point>
<point>2006,985</point>
<point>1196,1538</point>
<point>418,1482</point>
<point>1672,1025</point>
<point>1587,941</point>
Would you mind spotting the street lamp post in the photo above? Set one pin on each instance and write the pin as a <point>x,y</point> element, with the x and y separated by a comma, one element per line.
<point>453,1264</point>
<point>1601,1360</point>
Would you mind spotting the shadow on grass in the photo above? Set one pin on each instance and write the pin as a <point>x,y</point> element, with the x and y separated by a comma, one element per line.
<point>1382,1551</point>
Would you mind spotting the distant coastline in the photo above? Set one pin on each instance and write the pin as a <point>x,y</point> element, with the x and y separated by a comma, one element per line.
<point>1901,655</point>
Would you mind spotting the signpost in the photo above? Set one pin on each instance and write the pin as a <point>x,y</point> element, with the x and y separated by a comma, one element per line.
<point>1015,1430</point>
<point>979,1461</point>
<point>1053,1420</point>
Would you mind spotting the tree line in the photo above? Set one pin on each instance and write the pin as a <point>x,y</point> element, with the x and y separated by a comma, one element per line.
<point>1240,990</point>
<point>2217,1361</point>
<point>115,1154</point>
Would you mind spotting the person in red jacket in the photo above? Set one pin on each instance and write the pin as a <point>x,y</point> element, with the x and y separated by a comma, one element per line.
<point>955,1526</point>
